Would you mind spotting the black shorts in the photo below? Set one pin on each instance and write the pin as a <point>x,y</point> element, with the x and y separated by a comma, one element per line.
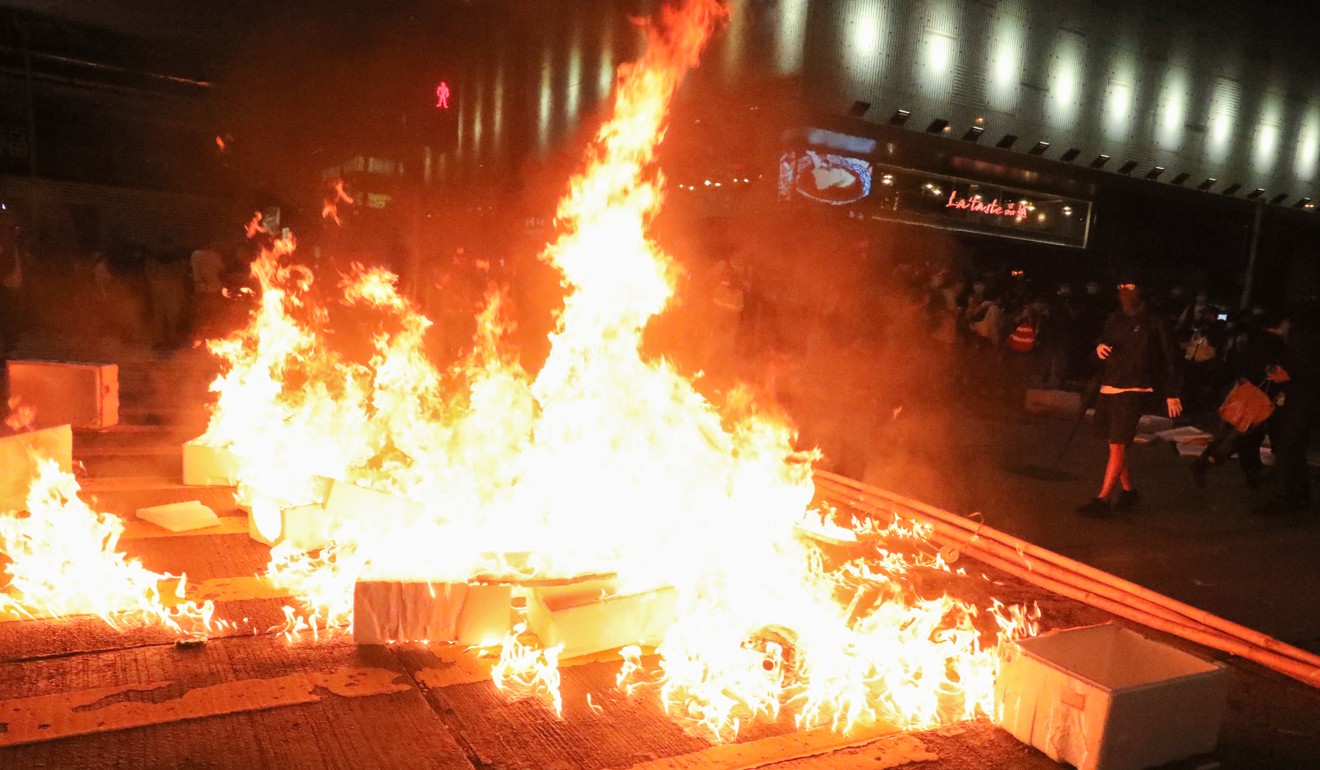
<point>1117,415</point>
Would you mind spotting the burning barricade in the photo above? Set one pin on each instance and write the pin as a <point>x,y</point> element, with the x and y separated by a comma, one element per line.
<point>602,502</point>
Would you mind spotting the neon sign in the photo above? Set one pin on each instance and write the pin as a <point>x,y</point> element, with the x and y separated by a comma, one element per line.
<point>442,96</point>
<point>1013,210</point>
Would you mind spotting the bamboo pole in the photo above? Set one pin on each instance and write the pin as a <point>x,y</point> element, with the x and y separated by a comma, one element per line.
<point>1090,585</point>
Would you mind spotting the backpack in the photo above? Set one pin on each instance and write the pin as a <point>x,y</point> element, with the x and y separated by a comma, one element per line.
<point>1199,349</point>
<point>1023,338</point>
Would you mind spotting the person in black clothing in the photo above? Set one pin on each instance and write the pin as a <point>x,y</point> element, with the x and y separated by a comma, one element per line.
<point>1264,351</point>
<point>1138,356</point>
<point>1290,424</point>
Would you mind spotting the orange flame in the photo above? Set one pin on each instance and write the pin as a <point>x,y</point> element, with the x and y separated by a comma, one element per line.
<point>64,559</point>
<point>606,462</point>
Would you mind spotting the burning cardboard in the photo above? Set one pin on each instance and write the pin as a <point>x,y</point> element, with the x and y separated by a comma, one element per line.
<point>18,461</point>
<point>208,466</point>
<point>1105,698</point>
<point>180,517</point>
<point>407,611</point>
<point>82,395</point>
<point>592,616</point>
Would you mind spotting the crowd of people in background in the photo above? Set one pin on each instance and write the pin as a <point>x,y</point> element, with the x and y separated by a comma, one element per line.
<point>1010,336</point>
<point>161,296</point>
<point>979,337</point>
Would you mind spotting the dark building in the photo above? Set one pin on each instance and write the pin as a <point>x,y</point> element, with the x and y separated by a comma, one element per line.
<point>1177,136</point>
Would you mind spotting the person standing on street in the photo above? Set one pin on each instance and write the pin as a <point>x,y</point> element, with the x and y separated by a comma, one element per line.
<point>1138,356</point>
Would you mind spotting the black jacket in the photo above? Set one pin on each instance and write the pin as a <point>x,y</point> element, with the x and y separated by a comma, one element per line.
<point>1143,354</point>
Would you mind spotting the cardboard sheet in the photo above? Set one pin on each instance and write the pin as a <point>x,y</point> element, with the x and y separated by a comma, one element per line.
<point>180,517</point>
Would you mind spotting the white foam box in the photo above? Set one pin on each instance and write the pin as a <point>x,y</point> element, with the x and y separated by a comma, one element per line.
<point>180,517</point>
<point>312,526</point>
<point>1053,401</point>
<point>592,616</point>
<point>417,611</point>
<point>1106,698</point>
<point>82,395</point>
<point>208,466</point>
<point>347,500</point>
<point>19,455</point>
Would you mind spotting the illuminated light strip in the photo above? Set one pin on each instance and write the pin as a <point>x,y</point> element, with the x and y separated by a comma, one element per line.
<point>813,742</point>
<point>63,715</point>
<point>218,590</point>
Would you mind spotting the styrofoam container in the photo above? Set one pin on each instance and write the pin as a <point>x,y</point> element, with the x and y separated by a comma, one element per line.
<point>82,395</point>
<point>1106,698</point>
<point>208,466</point>
<point>416,611</point>
<point>593,616</point>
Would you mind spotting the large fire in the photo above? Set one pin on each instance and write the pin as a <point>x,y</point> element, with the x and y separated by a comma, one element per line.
<point>64,559</point>
<point>605,462</point>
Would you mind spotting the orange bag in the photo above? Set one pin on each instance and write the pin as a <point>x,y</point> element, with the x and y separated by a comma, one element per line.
<point>1245,405</point>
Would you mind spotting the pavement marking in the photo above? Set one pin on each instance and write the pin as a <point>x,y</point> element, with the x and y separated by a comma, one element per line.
<point>218,590</point>
<point>50,717</point>
<point>137,529</point>
<point>782,748</point>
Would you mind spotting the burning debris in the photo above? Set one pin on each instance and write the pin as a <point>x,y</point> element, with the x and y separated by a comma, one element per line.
<point>605,462</point>
<point>470,614</point>
<point>21,457</point>
<point>63,559</point>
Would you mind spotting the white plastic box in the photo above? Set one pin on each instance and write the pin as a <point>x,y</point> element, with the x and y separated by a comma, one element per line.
<point>82,395</point>
<point>208,466</point>
<point>593,616</point>
<point>1106,698</point>
<point>417,611</point>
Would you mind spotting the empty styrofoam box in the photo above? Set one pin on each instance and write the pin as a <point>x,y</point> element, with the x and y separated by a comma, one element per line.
<point>1053,401</point>
<point>419,611</point>
<point>304,527</point>
<point>208,466</point>
<point>82,395</point>
<point>180,517</point>
<point>593,616</point>
<point>19,455</point>
<point>1106,698</point>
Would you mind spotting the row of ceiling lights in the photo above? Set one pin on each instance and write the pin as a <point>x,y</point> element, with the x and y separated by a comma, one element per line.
<point>973,134</point>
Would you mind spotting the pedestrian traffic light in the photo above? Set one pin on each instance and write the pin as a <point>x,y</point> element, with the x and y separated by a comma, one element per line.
<point>440,124</point>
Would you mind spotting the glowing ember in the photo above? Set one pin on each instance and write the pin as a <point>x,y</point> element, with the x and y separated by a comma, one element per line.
<point>64,559</point>
<point>606,463</point>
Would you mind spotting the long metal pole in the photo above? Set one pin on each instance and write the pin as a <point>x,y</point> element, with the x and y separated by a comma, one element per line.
<point>1251,253</point>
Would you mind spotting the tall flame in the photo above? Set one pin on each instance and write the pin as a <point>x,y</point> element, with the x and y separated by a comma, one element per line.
<point>607,462</point>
